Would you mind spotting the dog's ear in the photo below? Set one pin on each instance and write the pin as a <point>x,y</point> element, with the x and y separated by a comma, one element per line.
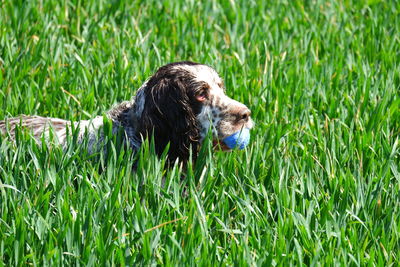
<point>168,115</point>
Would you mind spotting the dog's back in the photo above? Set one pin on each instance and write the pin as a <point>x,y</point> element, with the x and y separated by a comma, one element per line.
<point>41,126</point>
<point>36,125</point>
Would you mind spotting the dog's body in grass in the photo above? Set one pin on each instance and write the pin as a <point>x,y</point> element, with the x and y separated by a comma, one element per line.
<point>178,105</point>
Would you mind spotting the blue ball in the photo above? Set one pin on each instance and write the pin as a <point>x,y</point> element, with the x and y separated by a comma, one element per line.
<point>239,139</point>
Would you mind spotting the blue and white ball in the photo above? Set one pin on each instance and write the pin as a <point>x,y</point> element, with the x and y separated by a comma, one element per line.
<point>238,140</point>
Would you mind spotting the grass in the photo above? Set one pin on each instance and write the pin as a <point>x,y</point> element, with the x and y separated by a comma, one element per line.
<point>319,184</point>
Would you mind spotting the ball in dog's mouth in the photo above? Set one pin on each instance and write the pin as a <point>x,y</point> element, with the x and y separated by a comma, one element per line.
<point>239,139</point>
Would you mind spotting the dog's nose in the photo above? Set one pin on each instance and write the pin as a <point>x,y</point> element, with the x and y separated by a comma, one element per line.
<point>243,114</point>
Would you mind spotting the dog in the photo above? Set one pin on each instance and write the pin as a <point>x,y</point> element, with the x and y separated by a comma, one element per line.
<point>178,105</point>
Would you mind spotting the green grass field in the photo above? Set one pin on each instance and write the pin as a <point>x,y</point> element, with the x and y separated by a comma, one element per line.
<point>318,185</point>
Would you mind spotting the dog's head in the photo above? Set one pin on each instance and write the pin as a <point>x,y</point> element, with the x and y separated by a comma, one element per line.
<point>181,102</point>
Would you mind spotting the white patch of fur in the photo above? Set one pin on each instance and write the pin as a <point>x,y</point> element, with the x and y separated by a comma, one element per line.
<point>204,120</point>
<point>94,134</point>
<point>202,73</point>
<point>140,100</point>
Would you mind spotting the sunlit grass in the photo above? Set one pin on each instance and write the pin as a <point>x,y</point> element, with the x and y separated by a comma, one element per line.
<point>318,185</point>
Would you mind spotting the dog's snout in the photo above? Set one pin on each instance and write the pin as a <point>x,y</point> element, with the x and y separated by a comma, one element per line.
<point>243,114</point>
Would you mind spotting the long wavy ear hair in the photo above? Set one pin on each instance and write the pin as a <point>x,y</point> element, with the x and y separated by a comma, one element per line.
<point>170,113</point>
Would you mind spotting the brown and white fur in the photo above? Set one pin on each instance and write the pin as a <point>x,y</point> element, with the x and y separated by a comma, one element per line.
<point>178,105</point>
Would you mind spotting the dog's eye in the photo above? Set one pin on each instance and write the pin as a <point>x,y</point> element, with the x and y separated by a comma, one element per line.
<point>202,96</point>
